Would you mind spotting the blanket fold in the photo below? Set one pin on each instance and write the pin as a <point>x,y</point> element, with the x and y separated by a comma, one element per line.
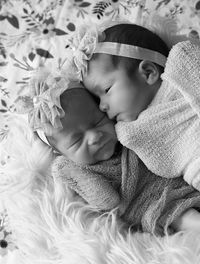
<point>166,136</point>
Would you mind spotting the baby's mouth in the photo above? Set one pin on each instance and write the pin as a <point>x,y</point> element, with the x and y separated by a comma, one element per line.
<point>103,144</point>
<point>117,118</point>
<point>114,118</point>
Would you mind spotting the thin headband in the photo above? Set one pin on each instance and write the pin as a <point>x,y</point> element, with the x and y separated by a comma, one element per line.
<point>135,52</point>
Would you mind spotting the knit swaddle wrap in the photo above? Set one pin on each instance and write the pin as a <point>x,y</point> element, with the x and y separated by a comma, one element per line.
<point>90,181</point>
<point>151,202</point>
<point>166,136</point>
<point>102,185</point>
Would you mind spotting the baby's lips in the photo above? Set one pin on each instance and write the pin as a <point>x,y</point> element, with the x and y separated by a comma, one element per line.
<point>112,117</point>
<point>103,144</point>
<point>118,118</point>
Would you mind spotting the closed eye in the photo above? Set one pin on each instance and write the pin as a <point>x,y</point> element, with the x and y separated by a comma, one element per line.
<point>107,90</point>
<point>75,142</point>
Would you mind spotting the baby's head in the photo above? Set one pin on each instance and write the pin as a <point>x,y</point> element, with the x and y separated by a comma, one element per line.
<point>87,135</point>
<point>124,71</point>
<point>66,117</point>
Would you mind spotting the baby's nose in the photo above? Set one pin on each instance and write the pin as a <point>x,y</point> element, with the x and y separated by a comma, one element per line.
<point>94,137</point>
<point>103,107</point>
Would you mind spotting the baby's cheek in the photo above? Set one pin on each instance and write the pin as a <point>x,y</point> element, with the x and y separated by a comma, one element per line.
<point>119,102</point>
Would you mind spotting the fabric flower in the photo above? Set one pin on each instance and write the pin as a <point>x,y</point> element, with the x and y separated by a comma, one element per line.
<point>47,30</point>
<point>43,101</point>
<point>6,243</point>
<point>83,45</point>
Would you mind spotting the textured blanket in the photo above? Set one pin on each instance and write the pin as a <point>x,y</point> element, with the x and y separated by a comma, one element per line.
<point>151,203</point>
<point>166,136</point>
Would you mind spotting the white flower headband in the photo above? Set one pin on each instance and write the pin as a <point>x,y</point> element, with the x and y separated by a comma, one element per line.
<point>42,103</point>
<point>82,45</point>
<point>85,42</point>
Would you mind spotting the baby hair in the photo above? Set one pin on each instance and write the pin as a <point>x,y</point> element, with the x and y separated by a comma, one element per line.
<point>72,100</point>
<point>69,100</point>
<point>135,35</point>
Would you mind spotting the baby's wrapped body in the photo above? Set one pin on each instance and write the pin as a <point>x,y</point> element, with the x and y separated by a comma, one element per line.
<point>151,202</point>
<point>166,135</point>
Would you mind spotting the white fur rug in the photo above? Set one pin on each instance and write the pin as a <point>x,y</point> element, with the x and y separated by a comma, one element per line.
<point>51,224</point>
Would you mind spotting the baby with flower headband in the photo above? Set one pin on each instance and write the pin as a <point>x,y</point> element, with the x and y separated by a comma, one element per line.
<point>65,116</point>
<point>151,93</point>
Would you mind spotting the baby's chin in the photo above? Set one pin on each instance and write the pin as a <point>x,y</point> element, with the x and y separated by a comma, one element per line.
<point>106,156</point>
<point>127,117</point>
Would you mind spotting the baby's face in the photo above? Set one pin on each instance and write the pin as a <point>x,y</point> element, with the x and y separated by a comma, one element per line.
<point>121,97</point>
<point>88,136</point>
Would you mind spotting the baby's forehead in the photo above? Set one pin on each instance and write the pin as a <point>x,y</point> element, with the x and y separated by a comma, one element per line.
<point>79,98</point>
<point>80,104</point>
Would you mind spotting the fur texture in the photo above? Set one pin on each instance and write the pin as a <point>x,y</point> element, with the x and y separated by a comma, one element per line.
<point>51,224</point>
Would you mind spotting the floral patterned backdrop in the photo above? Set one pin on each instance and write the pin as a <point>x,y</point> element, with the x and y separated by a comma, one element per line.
<point>37,31</point>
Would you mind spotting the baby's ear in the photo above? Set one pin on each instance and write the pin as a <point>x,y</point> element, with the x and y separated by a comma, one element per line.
<point>149,72</point>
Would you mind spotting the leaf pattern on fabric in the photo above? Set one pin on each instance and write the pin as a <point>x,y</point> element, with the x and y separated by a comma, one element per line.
<point>100,8</point>
<point>59,32</point>
<point>44,53</point>
<point>13,21</point>
<point>34,26</point>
